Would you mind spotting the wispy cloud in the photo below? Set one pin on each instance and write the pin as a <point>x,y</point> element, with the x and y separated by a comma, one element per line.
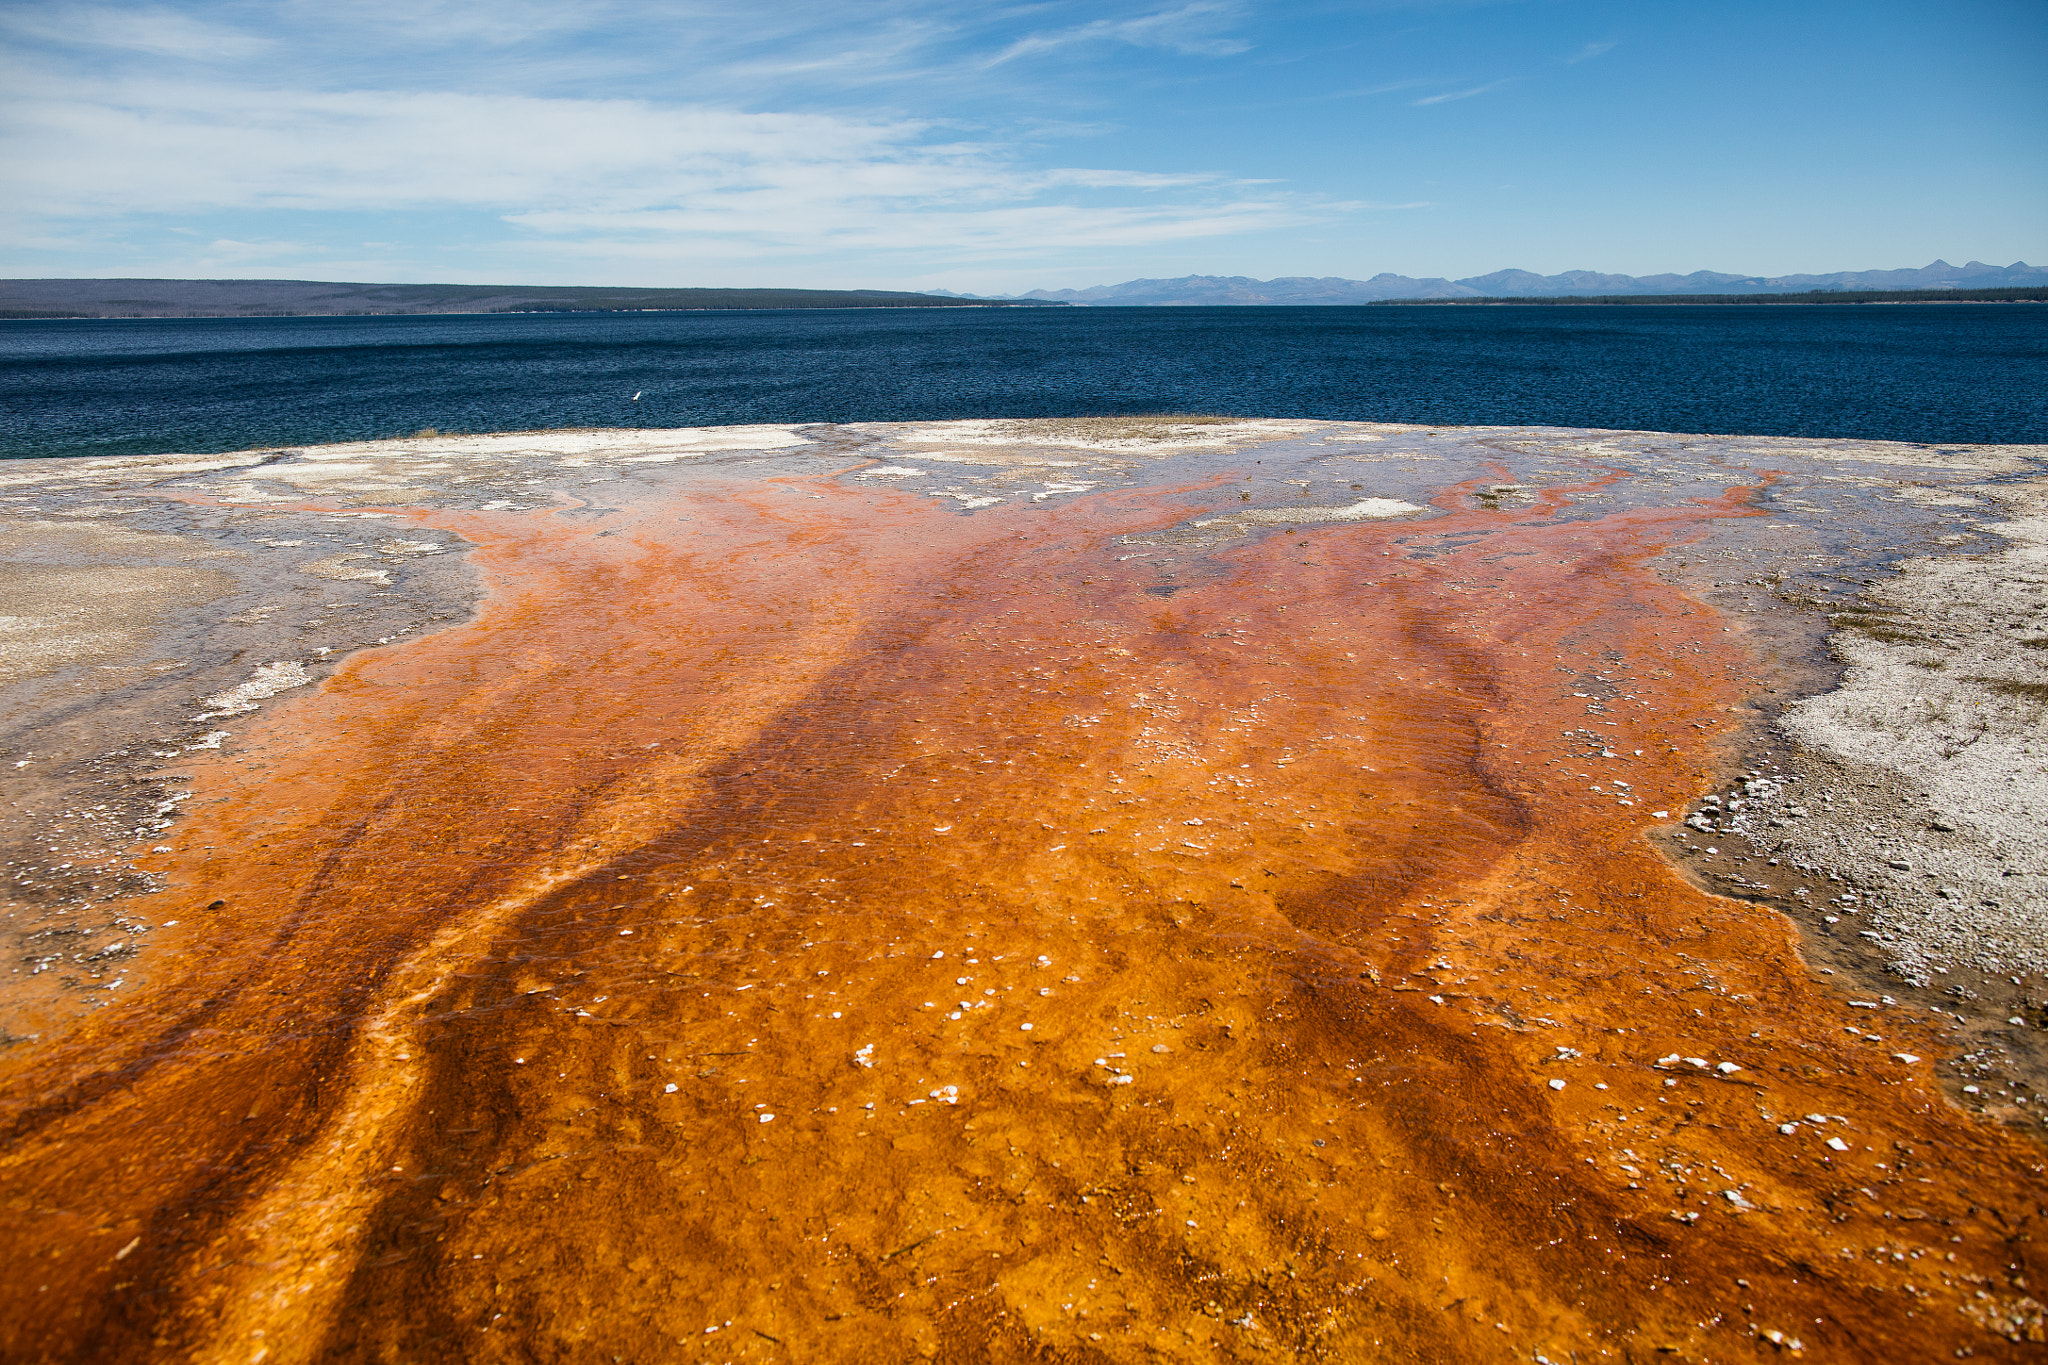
<point>1589,52</point>
<point>1365,91</point>
<point>154,31</point>
<point>1190,30</point>
<point>1450,95</point>
<point>799,51</point>
<point>624,178</point>
<point>437,25</point>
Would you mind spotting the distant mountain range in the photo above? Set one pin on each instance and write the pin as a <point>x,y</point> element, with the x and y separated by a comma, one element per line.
<point>326,298</point>
<point>1331,289</point>
<point>140,298</point>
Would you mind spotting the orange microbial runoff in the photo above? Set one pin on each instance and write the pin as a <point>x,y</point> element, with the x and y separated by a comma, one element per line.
<point>834,928</point>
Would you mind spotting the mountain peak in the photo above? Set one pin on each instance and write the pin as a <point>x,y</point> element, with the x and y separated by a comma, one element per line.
<point>1196,290</point>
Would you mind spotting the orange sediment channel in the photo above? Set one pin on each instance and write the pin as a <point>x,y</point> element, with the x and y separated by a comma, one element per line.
<point>825,929</point>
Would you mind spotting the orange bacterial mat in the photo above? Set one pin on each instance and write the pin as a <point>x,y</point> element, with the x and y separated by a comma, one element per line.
<point>831,928</point>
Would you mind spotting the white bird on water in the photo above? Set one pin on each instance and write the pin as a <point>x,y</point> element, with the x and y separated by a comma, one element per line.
<point>636,397</point>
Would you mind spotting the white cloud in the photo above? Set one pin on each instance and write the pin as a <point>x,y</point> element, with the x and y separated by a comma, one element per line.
<point>1589,52</point>
<point>1448,96</point>
<point>441,24</point>
<point>156,32</point>
<point>758,226</point>
<point>1190,30</point>
<point>721,50</point>
<point>1361,91</point>
<point>592,174</point>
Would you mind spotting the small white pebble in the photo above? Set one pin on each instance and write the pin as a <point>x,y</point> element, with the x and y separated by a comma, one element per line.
<point>1838,1144</point>
<point>1906,1057</point>
<point>669,1089</point>
<point>767,1118</point>
<point>1727,1068</point>
<point>625,933</point>
<point>1557,1085</point>
<point>1025,1027</point>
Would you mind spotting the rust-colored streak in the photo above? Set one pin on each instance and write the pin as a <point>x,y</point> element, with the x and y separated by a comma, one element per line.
<point>826,930</point>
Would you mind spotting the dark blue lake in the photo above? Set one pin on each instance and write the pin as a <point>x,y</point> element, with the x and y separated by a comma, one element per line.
<point>1923,372</point>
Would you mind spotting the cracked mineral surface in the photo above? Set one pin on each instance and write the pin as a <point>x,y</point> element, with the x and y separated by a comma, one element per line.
<point>1120,888</point>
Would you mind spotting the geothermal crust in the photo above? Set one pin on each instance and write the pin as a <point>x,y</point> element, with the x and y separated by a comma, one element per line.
<point>1666,805</point>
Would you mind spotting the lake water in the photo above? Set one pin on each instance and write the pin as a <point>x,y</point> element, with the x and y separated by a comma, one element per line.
<point>1934,373</point>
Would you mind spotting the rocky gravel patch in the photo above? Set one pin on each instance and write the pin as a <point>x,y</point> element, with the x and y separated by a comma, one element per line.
<point>1897,817</point>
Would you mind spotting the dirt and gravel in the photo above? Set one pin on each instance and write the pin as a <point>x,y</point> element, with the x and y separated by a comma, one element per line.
<point>1895,814</point>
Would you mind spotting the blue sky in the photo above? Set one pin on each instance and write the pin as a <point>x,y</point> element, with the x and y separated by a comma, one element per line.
<point>997,147</point>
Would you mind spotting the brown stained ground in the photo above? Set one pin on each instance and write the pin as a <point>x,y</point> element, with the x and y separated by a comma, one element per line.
<point>1129,973</point>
